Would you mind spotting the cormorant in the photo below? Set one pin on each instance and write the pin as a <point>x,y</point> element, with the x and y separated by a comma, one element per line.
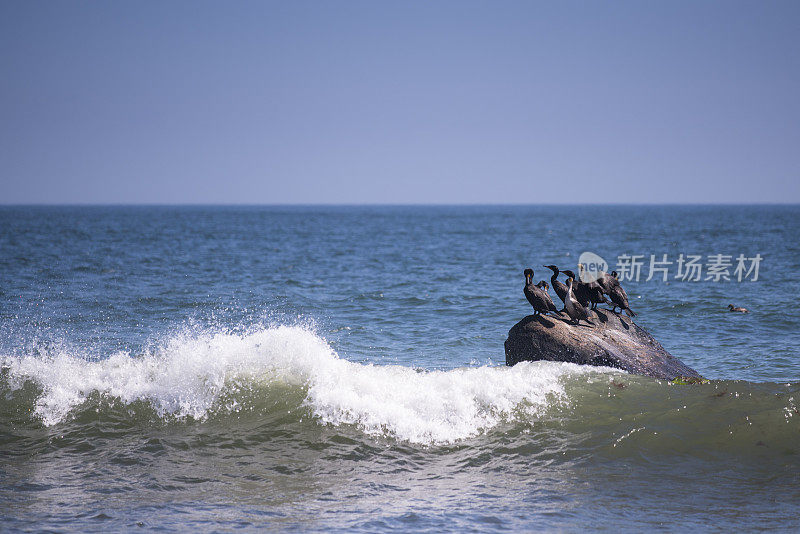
<point>608,281</point>
<point>539,299</point>
<point>544,287</point>
<point>579,289</point>
<point>575,309</point>
<point>593,289</point>
<point>558,286</point>
<point>611,287</point>
<point>733,308</point>
<point>618,296</point>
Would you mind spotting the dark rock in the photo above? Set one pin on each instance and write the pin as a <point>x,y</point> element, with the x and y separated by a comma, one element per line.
<point>614,341</point>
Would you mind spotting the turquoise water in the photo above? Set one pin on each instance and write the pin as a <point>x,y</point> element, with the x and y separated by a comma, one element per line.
<point>342,368</point>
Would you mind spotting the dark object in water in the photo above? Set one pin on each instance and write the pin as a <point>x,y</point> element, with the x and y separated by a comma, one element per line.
<point>733,308</point>
<point>540,300</point>
<point>615,341</point>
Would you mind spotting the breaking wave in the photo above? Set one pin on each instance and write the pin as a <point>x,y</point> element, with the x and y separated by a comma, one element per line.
<point>195,376</point>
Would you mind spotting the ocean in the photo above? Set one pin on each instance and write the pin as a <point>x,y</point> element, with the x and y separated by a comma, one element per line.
<point>323,369</point>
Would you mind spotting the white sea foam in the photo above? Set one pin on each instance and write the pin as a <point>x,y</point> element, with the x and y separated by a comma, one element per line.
<point>187,376</point>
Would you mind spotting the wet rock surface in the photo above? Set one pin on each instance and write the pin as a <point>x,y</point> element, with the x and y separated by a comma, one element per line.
<point>613,341</point>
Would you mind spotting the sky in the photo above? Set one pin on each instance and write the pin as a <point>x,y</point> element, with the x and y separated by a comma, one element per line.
<point>382,102</point>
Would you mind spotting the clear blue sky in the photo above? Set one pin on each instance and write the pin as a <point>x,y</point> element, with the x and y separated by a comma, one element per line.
<point>399,102</point>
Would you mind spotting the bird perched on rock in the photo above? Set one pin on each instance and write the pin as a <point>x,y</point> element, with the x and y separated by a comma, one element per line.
<point>540,300</point>
<point>544,287</point>
<point>618,296</point>
<point>541,284</point>
<point>558,286</point>
<point>733,308</point>
<point>593,289</point>
<point>575,309</point>
<point>578,290</point>
<point>608,281</point>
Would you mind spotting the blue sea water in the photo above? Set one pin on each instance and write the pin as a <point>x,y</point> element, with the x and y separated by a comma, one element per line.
<point>342,368</point>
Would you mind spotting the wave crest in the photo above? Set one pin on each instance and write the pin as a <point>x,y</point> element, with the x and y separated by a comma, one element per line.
<point>192,376</point>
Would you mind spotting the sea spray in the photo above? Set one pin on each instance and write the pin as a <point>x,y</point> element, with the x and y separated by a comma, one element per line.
<point>190,375</point>
<point>436,406</point>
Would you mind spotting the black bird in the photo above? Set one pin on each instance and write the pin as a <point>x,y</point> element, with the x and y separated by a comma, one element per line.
<point>593,289</point>
<point>617,295</point>
<point>544,287</point>
<point>575,309</point>
<point>608,281</point>
<point>558,286</point>
<point>539,299</point>
<point>733,308</point>
<point>579,289</point>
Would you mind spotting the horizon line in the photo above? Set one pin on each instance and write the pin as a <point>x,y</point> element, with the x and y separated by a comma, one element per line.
<point>386,204</point>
